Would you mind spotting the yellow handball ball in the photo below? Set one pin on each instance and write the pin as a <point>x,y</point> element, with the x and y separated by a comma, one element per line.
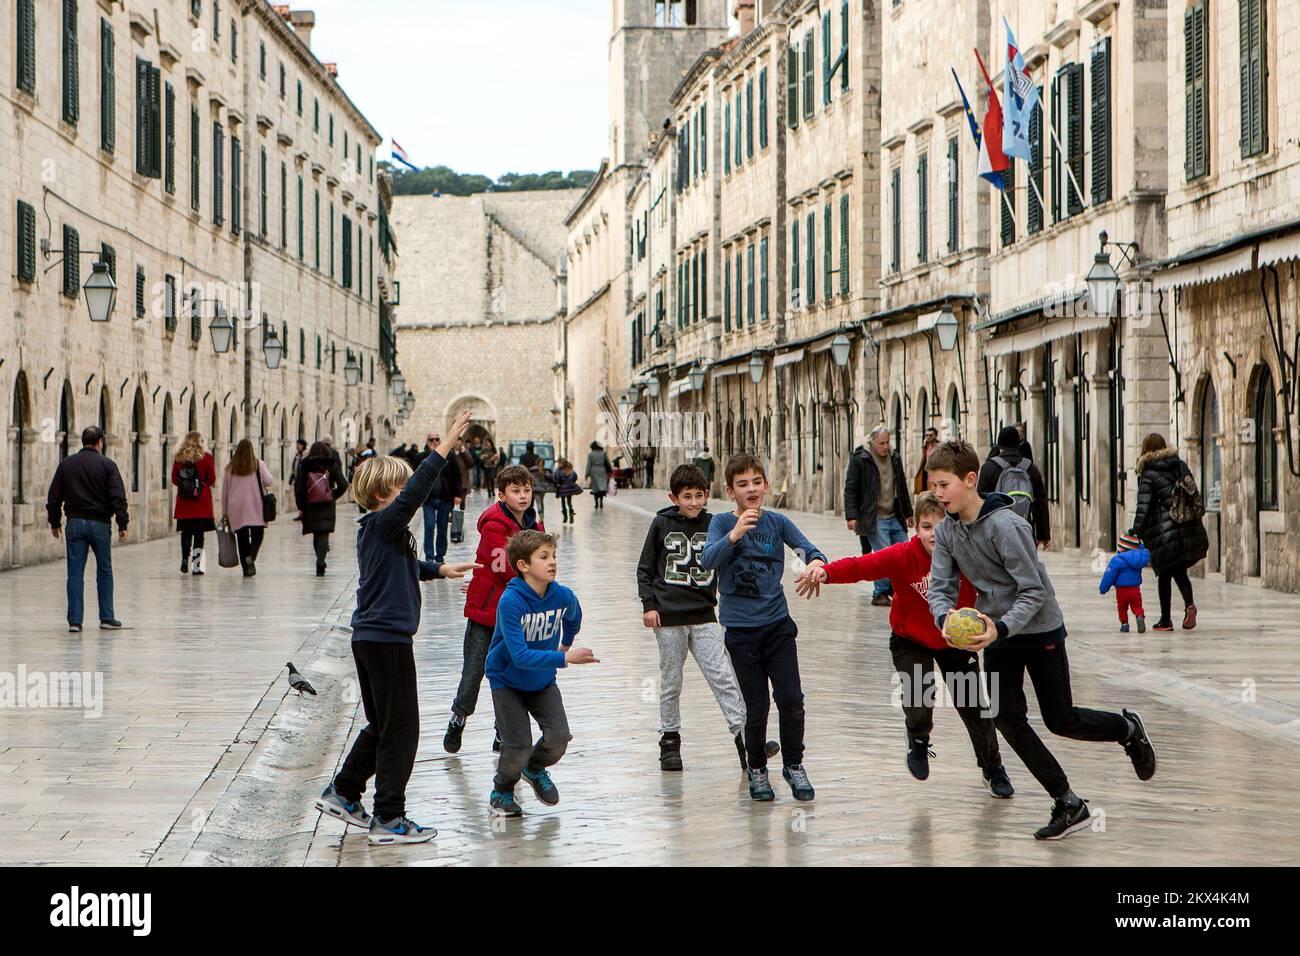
<point>961,625</point>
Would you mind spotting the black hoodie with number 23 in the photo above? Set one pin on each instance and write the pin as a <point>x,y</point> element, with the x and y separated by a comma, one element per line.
<point>669,577</point>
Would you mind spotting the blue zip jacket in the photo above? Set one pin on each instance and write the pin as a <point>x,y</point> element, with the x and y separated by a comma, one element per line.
<point>749,571</point>
<point>524,652</point>
<point>1125,569</point>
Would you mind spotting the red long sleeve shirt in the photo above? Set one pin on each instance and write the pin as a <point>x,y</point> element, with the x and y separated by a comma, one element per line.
<point>907,566</point>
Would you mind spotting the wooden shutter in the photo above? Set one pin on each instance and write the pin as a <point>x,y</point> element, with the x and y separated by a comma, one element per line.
<point>809,51</point>
<point>704,285</point>
<point>762,108</point>
<point>844,44</point>
<point>762,280</point>
<point>810,260</point>
<point>236,168</point>
<point>1035,208</point>
<point>923,208</point>
<point>694,265</point>
<point>740,292</point>
<point>346,278</point>
<point>954,194</point>
<point>194,157</point>
<point>71,92</point>
<point>169,151</point>
<point>703,126</point>
<point>1101,145</point>
<point>284,213</point>
<point>896,223</point>
<point>26,229</point>
<point>300,219</point>
<point>1074,126</point>
<point>1254,89</point>
<point>139,291</point>
<point>792,87</point>
<point>749,118</point>
<point>1196,103</point>
<point>726,294</point>
<point>1006,200</point>
<point>169,316</point>
<point>108,255</point>
<point>1057,172</point>
<point>739,156</point>
<point>218,175</point>
<point>27,46</point>
<point>794,264</point>
<point>71,262</point>
<point>107,100</point>
<point>827,289</point>
<point>826,58</point>
<point>750,304</point>
<point>844,245</point>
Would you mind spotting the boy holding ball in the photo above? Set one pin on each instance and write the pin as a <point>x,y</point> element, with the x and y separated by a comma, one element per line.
<point>985,541</point>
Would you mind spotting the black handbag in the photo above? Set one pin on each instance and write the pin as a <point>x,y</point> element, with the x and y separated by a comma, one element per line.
<point>268,501</point>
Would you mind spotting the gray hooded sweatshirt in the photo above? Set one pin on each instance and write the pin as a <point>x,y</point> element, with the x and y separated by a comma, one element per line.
<point>996,554</point>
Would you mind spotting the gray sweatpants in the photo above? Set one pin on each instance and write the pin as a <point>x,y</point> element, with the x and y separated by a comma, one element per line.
<point>705,642</point>
<point>513,708</point>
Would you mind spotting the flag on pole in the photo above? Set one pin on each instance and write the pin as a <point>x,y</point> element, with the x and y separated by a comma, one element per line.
<point>399,154</point>
<point>970,116</point>
<point>986,168</point>
<point>993,162</point>
<point>1022,97</point>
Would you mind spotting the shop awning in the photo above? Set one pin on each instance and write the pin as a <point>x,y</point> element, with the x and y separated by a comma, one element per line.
<point>1206,270</point>
<point>676,388</point>
<point>787,358</point>
<point>1041,335</point>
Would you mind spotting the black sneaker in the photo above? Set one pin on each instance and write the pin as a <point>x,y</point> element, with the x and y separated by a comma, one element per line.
<point>451,739</point>
<point>503,804</point>
<point>881,600</point>
<point>918,756</point>
<point>110,625</point>
<point>797,777</point>
<point>1139,747</point>
<point>759,787</point>
<point>185,564</point>
<point>1066,818</point>
<point>543,787</point>
<point>670,751</point>
<point>999,784</point>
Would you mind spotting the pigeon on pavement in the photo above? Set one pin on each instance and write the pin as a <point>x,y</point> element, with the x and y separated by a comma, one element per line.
<point>298,682</point>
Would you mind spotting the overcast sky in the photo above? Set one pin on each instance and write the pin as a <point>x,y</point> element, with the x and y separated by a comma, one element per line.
<point>482,86</point>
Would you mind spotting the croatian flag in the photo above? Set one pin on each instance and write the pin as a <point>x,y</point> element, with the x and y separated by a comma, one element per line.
<point>1022,97</point>
<point>993,162</point>
<point>399,154</point>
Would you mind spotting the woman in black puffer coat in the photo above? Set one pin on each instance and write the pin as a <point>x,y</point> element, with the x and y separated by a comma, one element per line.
<point>318,485</point>
<point>1174,547</point>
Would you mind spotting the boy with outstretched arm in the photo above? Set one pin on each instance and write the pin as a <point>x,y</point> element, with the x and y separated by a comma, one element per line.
<point>678,598</point>
<point>510,513</point>
<point>984,540</point>
<point>917,647</point>
<point>537,620</point>
<point>387,615</point>
<point>747,547</point>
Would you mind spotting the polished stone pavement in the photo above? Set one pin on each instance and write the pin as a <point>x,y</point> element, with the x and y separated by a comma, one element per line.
<point>201,756</point>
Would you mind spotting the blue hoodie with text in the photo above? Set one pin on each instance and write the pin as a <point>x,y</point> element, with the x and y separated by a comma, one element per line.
<point>524,653</point>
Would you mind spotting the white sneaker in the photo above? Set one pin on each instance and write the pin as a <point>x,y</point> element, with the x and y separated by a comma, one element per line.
<point>400,830</point>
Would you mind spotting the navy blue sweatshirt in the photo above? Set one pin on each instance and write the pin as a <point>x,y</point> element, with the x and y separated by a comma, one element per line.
<point>388,571</point>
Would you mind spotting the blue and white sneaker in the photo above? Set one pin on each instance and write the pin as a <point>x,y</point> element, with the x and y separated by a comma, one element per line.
<point>543,787</point>
<point>399,830</point>
<point>332,804</point>
<point>759,787</point>
<point>503,804</point>
<point>797,777</point>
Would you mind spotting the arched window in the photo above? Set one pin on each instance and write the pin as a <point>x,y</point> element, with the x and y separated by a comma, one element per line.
<point>954,415</point>
<point>1265,441</point>
<point>1211,480</point>
<point>19,421</point>
<point>165,442</point>
<point>137,430</point>
<point>67,410</point>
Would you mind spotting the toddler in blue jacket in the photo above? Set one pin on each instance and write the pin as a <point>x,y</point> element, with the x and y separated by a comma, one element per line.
<point>1125,572</point>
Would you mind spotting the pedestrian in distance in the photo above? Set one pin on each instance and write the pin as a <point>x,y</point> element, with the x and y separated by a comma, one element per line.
<point>87,489</point>
<point>511,513</point>
<point>491,460</point>
<point>566,488</point>
<point>536,466</point>
<point>319,485</point>
<point>984,540</point>
<point>1010,471</point>
<point>193,474</point>
<point>598,471</point>
<point>877,506</point>
<point>386,618</point>
<point>245,480</point>
<point>747,548</point>
<point>537,621</point>
<point>300,450</point>
<point>917,647</point>
<point>678,601</point>
<point>1170,521</point>
<point>927,446</point>
<point>1124,573</point>
<point>436,511</point>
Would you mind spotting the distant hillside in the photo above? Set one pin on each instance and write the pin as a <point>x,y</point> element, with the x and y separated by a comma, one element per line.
<point>442,179</point>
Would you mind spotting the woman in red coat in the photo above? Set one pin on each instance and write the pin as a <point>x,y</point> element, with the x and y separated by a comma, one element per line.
<point>193,473</point>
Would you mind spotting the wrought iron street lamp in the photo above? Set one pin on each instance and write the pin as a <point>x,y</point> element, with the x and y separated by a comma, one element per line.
<point>222,330</point>
<point>273,348</point>
<point>756,365</point>
<point>101,292</point>
<point>652,387</point>
<point>946,328</point>
<point>351,369</point>
<point>409,404</point>
<point>840,347</point>
<point>1103,280</point>
<point>696,375</point>
<point>399,383</point>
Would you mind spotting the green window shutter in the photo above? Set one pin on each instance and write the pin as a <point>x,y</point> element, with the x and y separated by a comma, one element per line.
<point>923,208</point>
<point>236,200</point>
<point>300,97</point>
<point>169,134</point>
<point>726,295</point>
<point>726,138</point>
<point>762,108</point>
<point>107,100</point>
<point>794,264</point>
<point>284,207</point>
<point>139,291</point>
<point>153,119</point>
<point>704,286</point>
<point>896,220</point>
<point>844,245</point>
<point>315,228</point>
<point>108,255</point>
<point>809,90</point>
<point>844,44</point>
<point>196,317</point>
<point>1008,232</point>
<point>1196,102</point>
<point>282,80</point>
<point>1101,176</point>
<point>749,118</point>
<point>827,287</point>
<point>810,262</point>
<point>261,59</point>
<point>954,193</point>
<point>331,214</point>
<point>169,305</point>
<point>71,92</point>
<point>26,229</point>
<point>1034,207</point>
<point>704,137</point>
<point>1057,171</point>
<point>300,220</point>
<point>234,41</point>
<point>749,284</point>
<point>693,264</point>
<point>218,174</point>
<point>792,87</point>
<point>27,46</point>
<point>740,290</point>
<point>315,114</point>
<point>1074,128</point>
<point>71,262</point>
<point>261,192</point>
<point>1253,92</point>
<point>738,158</point>
<point>194,157</point>
<point>358,257</point>
<point>826,58</point>
<point>346,228</point>
<point>763,313</point>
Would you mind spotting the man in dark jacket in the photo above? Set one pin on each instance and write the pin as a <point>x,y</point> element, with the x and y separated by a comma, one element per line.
<point>87,487</point>
<point>877,505</point>
<point>1011,452</point>
<point>445,495</point>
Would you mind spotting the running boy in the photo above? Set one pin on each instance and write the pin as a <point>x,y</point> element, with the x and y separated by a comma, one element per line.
<point>510,513</point>
<point>917,647</point>
<point>993,547</point>
<point>1124,571</point>
<point>746,547</point>
<point>677,601</point>
<point>386,617</point>
<point>535,618</point>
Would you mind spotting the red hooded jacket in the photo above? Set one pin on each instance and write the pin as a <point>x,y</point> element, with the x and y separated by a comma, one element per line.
<point>496,526</point>
<point>907,566</point>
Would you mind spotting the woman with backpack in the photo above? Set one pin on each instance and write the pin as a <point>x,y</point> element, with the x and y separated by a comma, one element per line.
<point>1010,471</point>
<point>1169,522</point>
<point>193,473</point>
<point>319,484</point>
<point>245,481</point>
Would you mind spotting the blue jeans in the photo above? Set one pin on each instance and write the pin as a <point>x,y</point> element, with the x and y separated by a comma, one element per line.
<point>82,535</point>
<point>437,512</point>
<point>888,531</point>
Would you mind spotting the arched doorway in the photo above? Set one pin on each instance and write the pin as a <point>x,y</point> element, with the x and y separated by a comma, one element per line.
<point>896,413</point>
<point>105,414</point>
<point>1266,456</point>
<point>67,413</point>
<point>954,415</point>
<point>1210,478</point>
<point>165,443</point>
<point>19,421</point>
<point>137,445</point>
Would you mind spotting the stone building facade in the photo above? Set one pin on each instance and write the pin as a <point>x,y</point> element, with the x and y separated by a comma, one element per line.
<point>211,161</point>
<point>479,311</point>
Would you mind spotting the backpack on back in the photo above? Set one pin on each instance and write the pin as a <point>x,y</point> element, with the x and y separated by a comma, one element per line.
<point>188,482</point>
<point>318,488</point>
<point>1014,482</point>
